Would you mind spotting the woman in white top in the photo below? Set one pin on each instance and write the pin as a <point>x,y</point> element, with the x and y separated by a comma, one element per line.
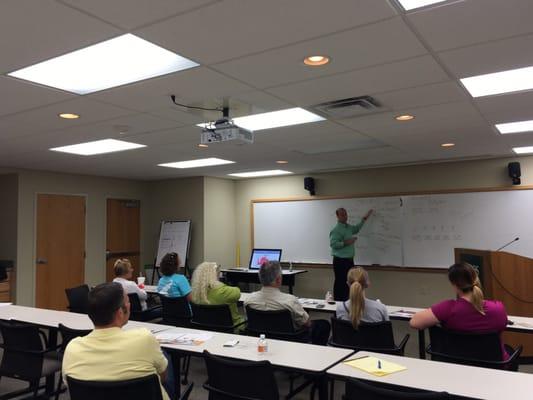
<point>124,273</point>
<point>358,308</point>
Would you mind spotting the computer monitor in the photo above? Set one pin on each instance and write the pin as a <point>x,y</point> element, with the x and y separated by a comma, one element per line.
<point>259,256</point>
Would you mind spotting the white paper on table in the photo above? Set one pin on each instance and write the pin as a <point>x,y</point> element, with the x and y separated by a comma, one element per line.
<point>183,338</point>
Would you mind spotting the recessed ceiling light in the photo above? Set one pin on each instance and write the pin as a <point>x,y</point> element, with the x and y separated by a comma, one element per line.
<point>515,127</point>
<point>203,162</point>
<point>316,61</point>
<point>256,174</point>
<point>447,145</point>
<point>68,116</point>
<point>412,4</point>
<point>203,145</point>
<point>404,117</point>
<point>98,147</point>
<point>523,150</point>
<point>274,119</point>
<point>513,80</point>
<point>124,59</point>
<point>282,162</point>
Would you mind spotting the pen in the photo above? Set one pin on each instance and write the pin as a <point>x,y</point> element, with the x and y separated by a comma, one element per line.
<point>379,364</point>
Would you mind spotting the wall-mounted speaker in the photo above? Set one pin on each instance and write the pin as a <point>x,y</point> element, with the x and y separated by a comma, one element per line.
<point>514,172</point>
<point>309,184</point>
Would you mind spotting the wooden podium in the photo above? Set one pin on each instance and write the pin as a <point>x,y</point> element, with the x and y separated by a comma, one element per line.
<point>508,278</point>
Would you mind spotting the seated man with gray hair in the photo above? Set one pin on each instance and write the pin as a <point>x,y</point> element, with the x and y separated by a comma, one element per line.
<point>271,298</point>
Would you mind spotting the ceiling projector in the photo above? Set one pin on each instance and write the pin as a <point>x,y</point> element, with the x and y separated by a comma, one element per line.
<point>224,130</point>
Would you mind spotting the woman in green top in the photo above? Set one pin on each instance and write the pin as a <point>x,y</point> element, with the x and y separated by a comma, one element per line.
<point>207,289</point>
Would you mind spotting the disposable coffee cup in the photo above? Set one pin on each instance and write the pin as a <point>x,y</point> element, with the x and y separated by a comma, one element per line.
<point>140,281</point>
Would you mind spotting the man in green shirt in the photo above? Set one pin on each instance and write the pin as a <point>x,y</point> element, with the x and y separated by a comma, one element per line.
<point>341,241</point>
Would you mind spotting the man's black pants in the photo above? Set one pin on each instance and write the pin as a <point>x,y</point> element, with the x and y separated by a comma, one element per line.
<point>341,266</point>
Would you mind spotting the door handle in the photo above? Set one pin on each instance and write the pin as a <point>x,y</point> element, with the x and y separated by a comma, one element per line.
<point>42,261</point>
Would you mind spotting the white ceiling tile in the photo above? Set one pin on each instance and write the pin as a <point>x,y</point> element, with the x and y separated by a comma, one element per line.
<point>473,21</point>
<point>507,108</point>
<point>197,86</point>
<point>130,14</point>
<point>45,119</point>
<point>370,157</point>
<point>34,31</point>
<point>357,48</point>
<point>490,57</point>
<point>234,28</point>
<point>399,75</point>
<point>439,93</point>
<point>19,96</point>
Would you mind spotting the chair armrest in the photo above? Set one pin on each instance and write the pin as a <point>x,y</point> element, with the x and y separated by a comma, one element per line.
<point>209,388</point>
<point>185,395</point>
<point>404,341</point>
<point>475,360</point>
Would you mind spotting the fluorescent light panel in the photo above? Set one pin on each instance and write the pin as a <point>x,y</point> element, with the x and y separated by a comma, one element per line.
<point>523,150</point>
<point>98,147</point>
<point>513,80</point>
<point>412,4</point>
<point>274,119</point>
<point>515,127</point>
<point>124,59</point>
<point>256,174</point>
<point>203,162</point>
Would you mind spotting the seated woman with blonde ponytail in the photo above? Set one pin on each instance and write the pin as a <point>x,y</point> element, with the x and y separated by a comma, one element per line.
<point>358,308</point>
<point>469,312</point>
<point>207,289</point>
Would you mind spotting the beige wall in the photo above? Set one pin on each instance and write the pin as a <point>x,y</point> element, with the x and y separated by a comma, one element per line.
<point>8,216</point>
<point>175,199</point>
<point>415,289</point>
<point>219,221</point>
<point>96,190</point>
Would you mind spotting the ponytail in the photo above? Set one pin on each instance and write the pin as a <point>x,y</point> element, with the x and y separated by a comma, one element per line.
<point>477,296</point>
<point>357,303</point>
<point>358,281</point>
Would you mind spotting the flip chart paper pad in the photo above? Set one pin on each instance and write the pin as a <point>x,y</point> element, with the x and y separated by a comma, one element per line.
<point>370,365</point>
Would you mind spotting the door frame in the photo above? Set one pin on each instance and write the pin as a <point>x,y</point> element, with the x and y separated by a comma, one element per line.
<point>34,244</point>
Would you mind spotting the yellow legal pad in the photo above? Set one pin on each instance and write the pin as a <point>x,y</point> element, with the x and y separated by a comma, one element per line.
<point>370,365</point>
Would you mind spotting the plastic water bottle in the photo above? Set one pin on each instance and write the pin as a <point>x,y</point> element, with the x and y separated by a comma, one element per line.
<point>290,265</point>
<point>262,344</point>
<point>329,297</point>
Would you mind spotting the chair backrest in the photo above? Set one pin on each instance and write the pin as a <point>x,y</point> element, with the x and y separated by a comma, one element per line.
<point>145,388</point>
<point>356,390</point>
<point>269,322</point>
<point>22,344</point>
<point>67,334</point>
<point>367,336</point>
<point>232,379</point>
<point>176,311</point>
<point>447,345</point>
<point>78,299</point>
<point>212,316</point>
<point>135,303</point>
<point>4,264</point>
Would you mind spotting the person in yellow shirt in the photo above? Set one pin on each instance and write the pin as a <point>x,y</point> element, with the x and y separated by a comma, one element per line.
<point>110,353</point>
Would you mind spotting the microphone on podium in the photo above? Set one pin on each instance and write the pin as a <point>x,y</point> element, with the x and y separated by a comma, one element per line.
<point>507,244</point>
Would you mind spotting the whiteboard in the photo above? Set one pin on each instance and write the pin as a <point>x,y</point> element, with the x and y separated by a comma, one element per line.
<point>174,237</point>
<point>415,230</point>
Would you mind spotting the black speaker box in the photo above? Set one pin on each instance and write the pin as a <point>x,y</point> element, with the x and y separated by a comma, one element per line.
<point>309,184</point>
<point>514,172</point>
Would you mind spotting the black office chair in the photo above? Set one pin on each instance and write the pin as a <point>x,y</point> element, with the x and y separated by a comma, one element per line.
<point>176,311</point>
<point>138,314</point>
<point>213,317</point>
<point>275,324</point>
<point>357,390</point>
<point>27,357</point>
<point>376,337</point>
<point>239,380</point>
<point>78,299</point>
<point>4,265</point>
<point>144,388</point>
<point>477,349</point>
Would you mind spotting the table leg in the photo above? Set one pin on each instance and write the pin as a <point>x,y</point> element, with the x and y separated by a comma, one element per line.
<point>422,343</point>
<point>322,385</point>
<point>176,364</point>
<point>50,381</point>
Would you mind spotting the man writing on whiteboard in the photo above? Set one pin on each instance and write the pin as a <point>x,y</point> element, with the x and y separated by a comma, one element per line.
<point>341,241</point>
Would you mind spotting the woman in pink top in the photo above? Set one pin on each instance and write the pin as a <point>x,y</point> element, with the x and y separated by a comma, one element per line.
<point>469,312</point>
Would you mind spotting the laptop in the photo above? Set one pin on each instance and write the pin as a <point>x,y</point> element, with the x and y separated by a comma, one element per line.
<point>259,256</point>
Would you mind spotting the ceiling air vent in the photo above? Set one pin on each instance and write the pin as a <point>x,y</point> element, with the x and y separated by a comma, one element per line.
<point>348,108</point>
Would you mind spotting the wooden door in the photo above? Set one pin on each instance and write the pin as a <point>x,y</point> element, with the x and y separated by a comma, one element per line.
<point>60,248</point>
<point>123,233</point>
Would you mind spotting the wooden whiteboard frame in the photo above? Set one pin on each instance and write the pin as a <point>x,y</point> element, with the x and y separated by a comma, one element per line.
<point>365,195</point>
